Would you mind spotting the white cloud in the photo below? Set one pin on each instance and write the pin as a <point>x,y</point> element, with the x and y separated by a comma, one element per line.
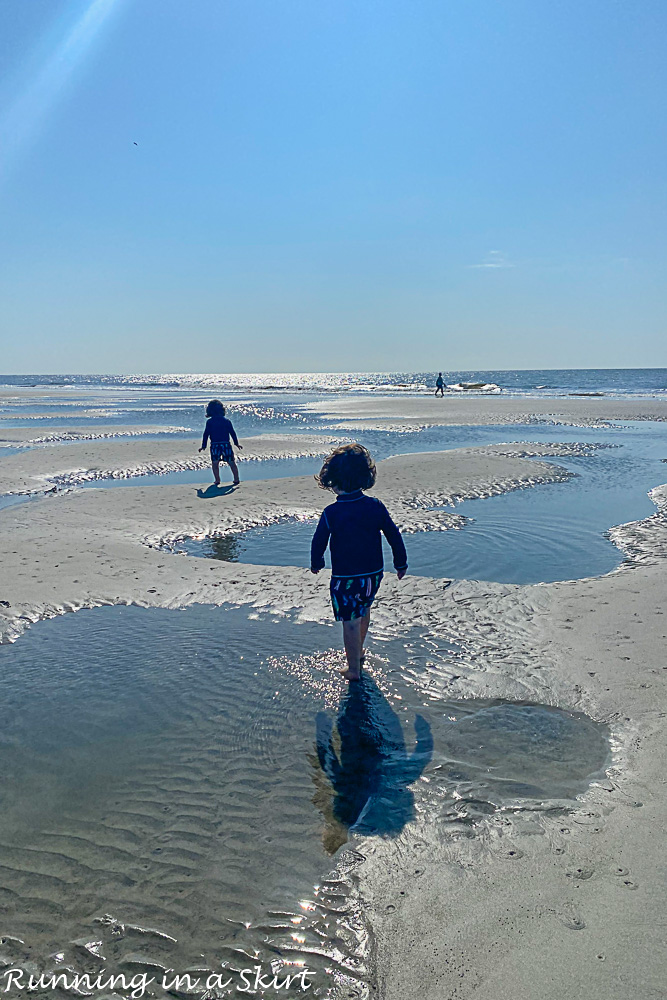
<point>494,258</point>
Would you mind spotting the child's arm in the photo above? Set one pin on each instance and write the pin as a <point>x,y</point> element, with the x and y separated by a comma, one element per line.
<point>393,536</point>
<point>232,434</point>
<point>319,544</point>
<point>204,440</point>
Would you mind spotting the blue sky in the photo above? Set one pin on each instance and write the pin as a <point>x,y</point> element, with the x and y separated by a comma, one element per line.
<point>328,185</point>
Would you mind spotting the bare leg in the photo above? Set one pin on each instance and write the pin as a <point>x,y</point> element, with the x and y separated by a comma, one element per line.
<point>235,471</point>
<point>365,622</point>
<point>216,471</point>
<point>352,642</point>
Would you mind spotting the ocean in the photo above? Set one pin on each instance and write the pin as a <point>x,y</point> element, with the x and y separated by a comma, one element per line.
<point>538,382</point>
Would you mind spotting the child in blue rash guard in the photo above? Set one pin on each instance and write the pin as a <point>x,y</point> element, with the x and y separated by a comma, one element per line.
<point>352,527</point>
<point>219,429</point>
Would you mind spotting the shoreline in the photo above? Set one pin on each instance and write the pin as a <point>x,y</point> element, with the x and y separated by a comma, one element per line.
<point>523,906</point>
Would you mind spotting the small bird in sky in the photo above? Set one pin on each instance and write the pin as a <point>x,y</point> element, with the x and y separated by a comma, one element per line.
<point>136,143</point>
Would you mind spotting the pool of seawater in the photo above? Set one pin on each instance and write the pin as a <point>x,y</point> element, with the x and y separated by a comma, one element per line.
<point>383,444</point>
<point>269,468</point>
<point>554,531</point>
<point>12,499</point>
<point>541,534</point>
<point>176,794</point>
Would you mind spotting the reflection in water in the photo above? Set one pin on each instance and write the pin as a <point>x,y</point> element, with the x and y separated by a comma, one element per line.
<point>182,803</point>
<point>367,765</point>
<point>225,547</point>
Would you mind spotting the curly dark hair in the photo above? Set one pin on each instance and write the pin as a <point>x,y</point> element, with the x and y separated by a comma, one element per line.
<point>348,468</point>
<point>215,407</point>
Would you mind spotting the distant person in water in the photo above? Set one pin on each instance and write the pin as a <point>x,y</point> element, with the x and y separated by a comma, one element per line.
<point>353,528</point>
<point>440,385</point>
<point>219,430</point>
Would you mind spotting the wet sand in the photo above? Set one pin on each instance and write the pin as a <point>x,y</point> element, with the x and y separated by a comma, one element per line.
<point>535,905</point>
<point>383,413</point>
<point>545,909</point>
<point>40,435</point>
<point>207,787</point>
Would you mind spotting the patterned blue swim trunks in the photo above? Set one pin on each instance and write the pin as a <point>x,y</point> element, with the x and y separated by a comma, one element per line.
<point>352,596</point>
<point>221,451</point>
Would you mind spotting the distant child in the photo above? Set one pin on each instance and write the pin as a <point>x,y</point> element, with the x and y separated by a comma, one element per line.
<point>219,429</point>
<point>352,527</point>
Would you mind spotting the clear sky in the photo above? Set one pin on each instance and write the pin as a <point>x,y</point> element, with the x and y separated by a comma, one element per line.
<point>327,185</point>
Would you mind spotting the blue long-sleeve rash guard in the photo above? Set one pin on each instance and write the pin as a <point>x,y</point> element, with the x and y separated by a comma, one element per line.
<point>219,429</point>
<point>352,528</point>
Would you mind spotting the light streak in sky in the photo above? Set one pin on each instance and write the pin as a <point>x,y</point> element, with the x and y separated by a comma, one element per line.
<point>21,119</point>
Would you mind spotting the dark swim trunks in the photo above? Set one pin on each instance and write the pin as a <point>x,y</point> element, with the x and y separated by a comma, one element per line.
<point>221,451</point>
<point>352,596</point>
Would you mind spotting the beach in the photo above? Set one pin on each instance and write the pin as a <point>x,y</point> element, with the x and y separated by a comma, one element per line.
<point>532,899</point>
<point>333,501</point>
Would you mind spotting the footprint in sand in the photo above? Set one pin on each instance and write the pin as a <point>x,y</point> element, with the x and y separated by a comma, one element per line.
<point>581,874</point>
<point>569,916</point>
<point>511,853</point>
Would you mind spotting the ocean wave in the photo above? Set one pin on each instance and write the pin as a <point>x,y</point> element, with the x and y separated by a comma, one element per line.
<point>485,387</point>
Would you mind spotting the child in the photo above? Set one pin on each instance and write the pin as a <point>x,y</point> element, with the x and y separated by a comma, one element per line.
<point>352,527</point>
<point>219,429</point>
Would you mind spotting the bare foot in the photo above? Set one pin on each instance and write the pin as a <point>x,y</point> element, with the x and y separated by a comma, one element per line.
<point>216,482</point>
<point>350,675</point>
<point>237,482</point>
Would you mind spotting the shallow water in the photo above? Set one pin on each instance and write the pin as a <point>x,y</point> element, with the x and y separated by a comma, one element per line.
<point>269,468</point>
<point>493,548</point>
<point>12,499</point>
<point>502,545</point>
<point>165,776</point>
<point>553,531</point>
<point>546,533</point>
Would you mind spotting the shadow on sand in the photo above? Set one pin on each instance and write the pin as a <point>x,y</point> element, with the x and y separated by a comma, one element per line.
<point>213,491</point>
<point>367,765</point>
